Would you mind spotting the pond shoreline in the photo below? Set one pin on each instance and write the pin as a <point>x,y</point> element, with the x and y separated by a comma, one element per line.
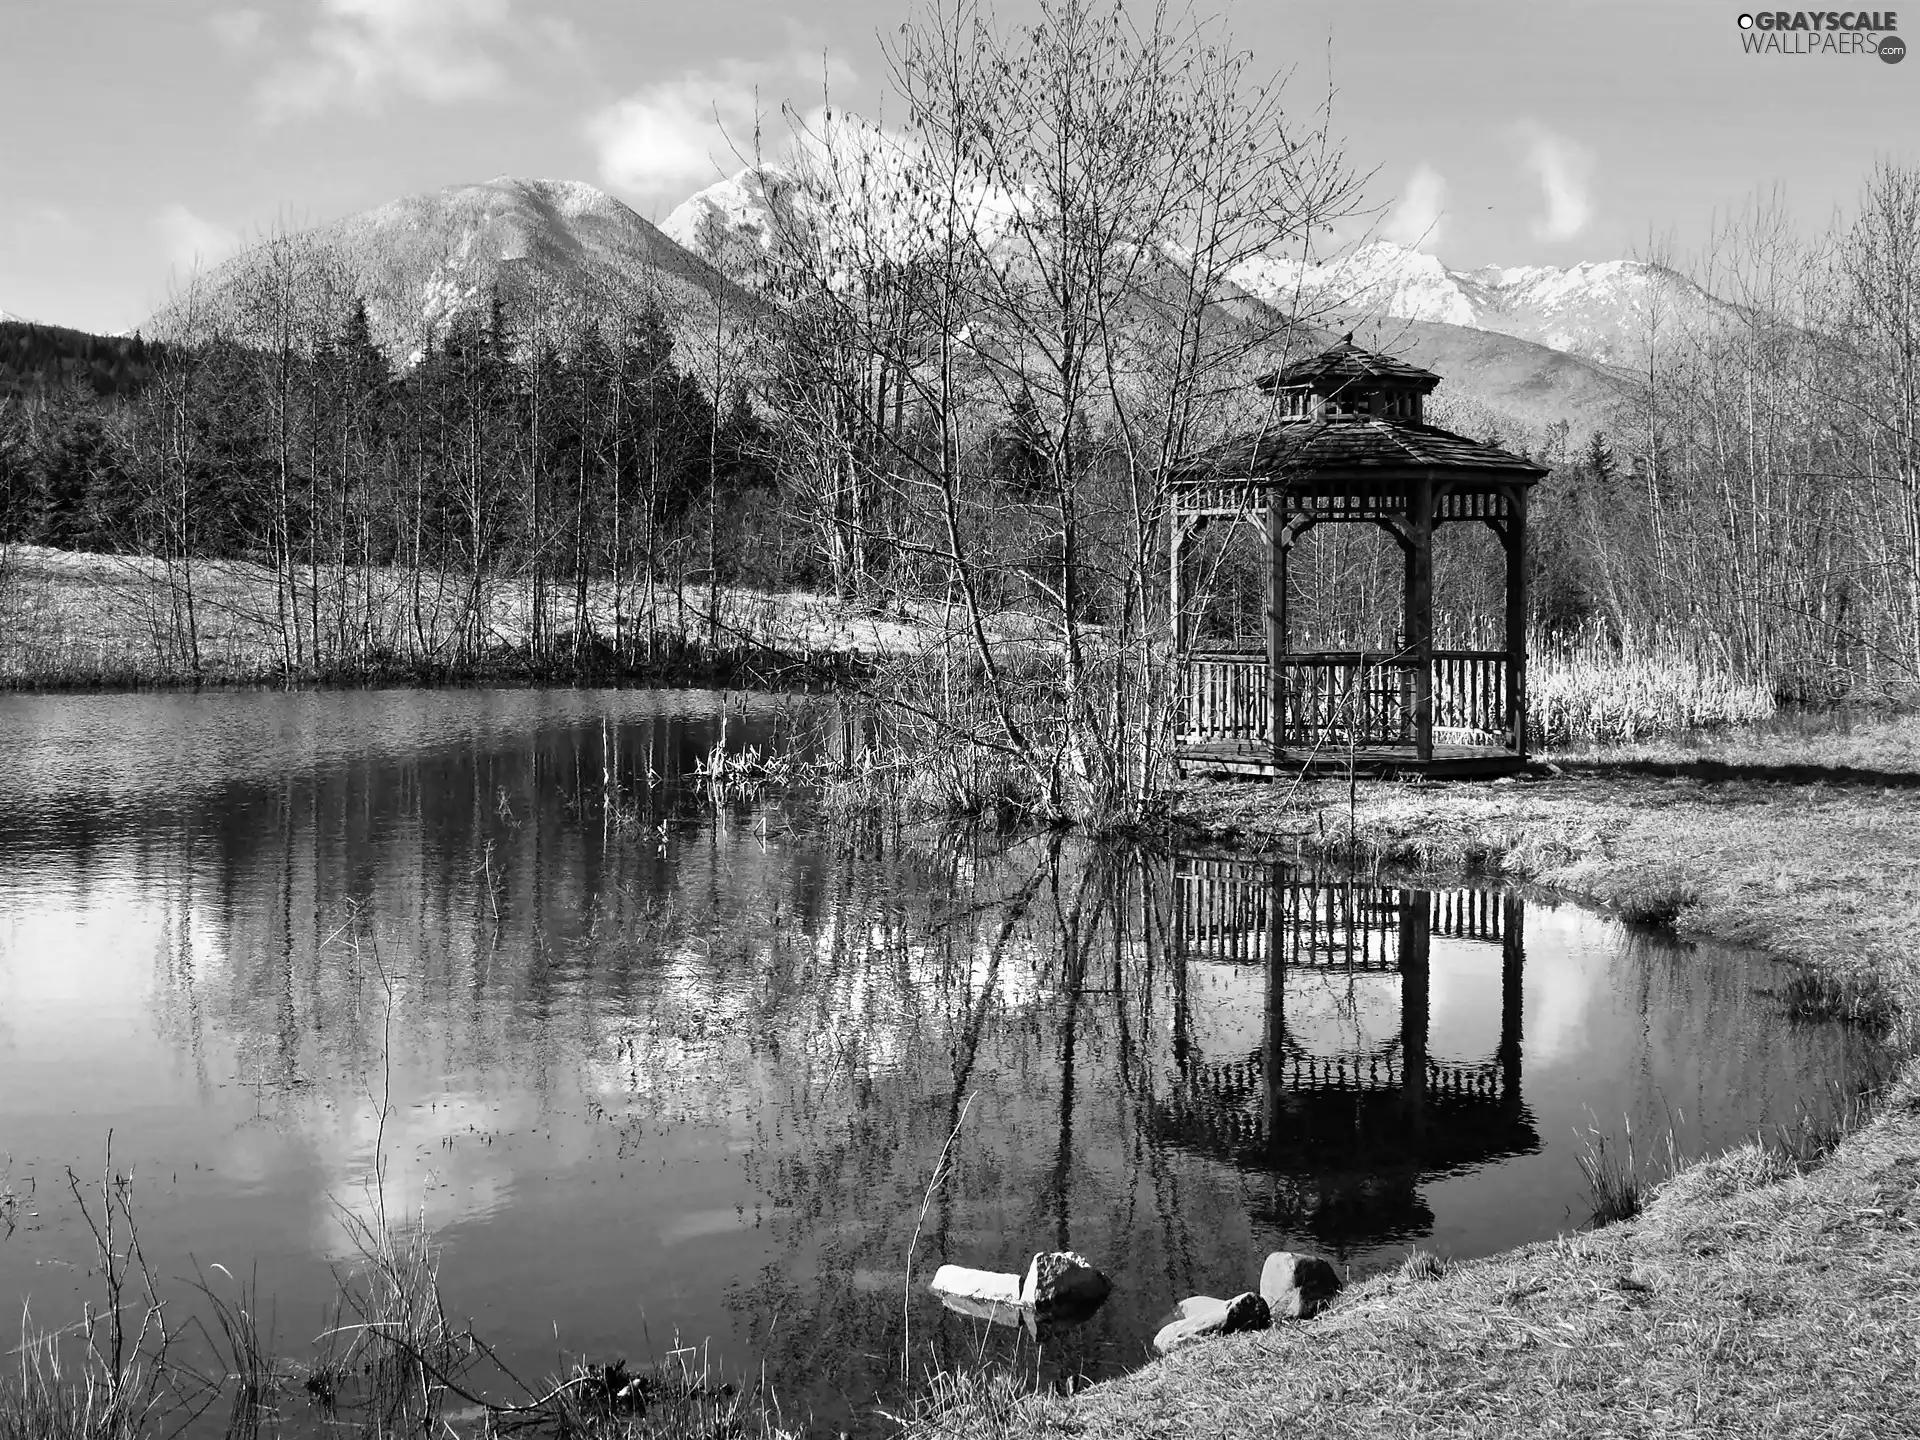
<point>1760,1292</point>
<point>759,669</point>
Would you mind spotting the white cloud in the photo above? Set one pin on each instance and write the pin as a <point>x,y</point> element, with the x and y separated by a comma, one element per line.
<point>362,51</point>
<point>1415,219</point>
<point>1564,170</point>
<point>239,32</point>
<point>191,242</point>
<point>700,125</point>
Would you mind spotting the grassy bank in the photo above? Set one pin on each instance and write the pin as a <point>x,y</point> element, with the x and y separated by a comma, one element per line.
<point>1772,1291</point>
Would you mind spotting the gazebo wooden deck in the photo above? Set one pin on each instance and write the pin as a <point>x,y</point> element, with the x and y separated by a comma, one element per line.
<point>1348,444</point>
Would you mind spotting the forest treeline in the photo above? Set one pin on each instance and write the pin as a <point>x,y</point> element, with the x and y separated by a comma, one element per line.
<point>495,456</point>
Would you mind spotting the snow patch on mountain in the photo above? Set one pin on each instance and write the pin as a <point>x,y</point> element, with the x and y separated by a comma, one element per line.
<point>1598,310</point>
<point>874,203</point>
<point>1381,277</point>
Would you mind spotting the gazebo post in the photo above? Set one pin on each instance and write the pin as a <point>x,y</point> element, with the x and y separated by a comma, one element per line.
<point>1276,1027</point>
<point>1420,612</point>
<point>1516,544</point>
<point>1415,952</point>
<point>1512,958</point>
<point>1176,543</point>
<point>1276,618</point>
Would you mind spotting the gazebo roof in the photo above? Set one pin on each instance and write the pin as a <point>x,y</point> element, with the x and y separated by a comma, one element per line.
<point>1352,447</point>
<point>1346,362</point>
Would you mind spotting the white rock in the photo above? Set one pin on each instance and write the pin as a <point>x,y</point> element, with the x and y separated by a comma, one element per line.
<point>977,1287</point>
<point>1203,1316</point>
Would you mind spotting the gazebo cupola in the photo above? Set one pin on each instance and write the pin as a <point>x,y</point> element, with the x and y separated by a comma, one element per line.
<point>1345,441</point>
<point>1348,381</point>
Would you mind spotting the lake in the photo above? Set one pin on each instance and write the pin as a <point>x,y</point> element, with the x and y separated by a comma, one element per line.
<point>656,1075</point>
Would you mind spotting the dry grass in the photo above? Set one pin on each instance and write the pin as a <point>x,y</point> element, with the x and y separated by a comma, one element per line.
<point>1771,1291</point>
<point>82,620</point>
<point>74,620</point>
<point>1742,1302</point>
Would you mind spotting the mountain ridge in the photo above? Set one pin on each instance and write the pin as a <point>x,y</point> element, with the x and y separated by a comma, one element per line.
<point>1555,338</point>
<point>423,261</point>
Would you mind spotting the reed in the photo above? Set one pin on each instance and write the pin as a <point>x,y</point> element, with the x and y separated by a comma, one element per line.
<point>12,1201</point>
<point>746,776</point>
<point>1817,997</point>
<point>1618,1177</point>
<point>1583,690</point>
<point>974,1403</point>
<point>916,780</point>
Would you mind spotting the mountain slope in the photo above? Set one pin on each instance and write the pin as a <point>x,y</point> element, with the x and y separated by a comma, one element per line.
<point>422,261</point>
<point>1519,379</point>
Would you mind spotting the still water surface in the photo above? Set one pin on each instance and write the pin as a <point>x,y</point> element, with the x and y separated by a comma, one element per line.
<point>652,1074</point>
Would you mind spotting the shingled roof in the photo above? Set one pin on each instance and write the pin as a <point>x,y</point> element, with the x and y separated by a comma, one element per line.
<point>1296,449</point>
<point>1347,362</point>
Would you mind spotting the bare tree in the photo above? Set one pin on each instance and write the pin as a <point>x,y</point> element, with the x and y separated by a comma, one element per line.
<point>1054,232</point>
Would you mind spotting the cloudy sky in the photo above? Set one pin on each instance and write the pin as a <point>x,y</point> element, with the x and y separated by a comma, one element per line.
<point>137,135</point>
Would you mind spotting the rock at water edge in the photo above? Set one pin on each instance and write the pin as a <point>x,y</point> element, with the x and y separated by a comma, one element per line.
<point>1297,1287</point>
<point>1246,1311</point>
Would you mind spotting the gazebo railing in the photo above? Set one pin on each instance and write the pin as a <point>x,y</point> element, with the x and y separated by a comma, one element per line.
<point>1227,699</point>
<point>1352,697</point>
<point>1340,698</point>
<point>1470,689</point>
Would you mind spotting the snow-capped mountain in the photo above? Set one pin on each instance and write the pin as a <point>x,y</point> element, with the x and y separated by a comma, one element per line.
<point>1597,310</point>
<point>871,208</point>
<point>748,209</point>
<point>422,261</point>
<point>6,315</point>
<point>1537,344</point>
<point>1382,278</point>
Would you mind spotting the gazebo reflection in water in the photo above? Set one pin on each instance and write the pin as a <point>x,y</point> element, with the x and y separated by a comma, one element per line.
<point>1345,1126</point>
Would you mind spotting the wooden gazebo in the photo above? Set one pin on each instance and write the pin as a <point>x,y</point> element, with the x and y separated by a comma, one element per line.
<point>1347,442</point>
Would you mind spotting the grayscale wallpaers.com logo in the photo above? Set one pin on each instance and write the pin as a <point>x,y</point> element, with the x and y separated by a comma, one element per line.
<point>1823,32</point>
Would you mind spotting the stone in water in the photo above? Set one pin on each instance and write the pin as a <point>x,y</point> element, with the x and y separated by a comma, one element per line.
<point>1061,1283</point>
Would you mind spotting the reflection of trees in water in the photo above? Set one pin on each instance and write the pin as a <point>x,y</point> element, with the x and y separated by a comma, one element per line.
<point>1678,991</point>
<point>1033,993</point>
